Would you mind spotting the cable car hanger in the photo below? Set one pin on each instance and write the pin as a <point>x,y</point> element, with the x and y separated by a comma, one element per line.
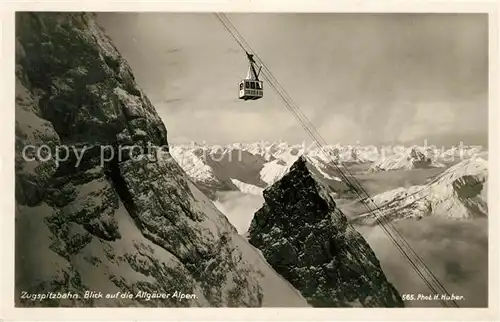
<point>252,65</point>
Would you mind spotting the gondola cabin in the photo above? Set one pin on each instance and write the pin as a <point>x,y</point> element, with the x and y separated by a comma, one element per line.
<point>251,88</point>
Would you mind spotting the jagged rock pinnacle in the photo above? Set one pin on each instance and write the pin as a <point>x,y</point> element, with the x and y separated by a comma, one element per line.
<point>308,240</point>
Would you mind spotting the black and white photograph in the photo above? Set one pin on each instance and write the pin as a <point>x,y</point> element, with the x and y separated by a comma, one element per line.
<point>251,159</point>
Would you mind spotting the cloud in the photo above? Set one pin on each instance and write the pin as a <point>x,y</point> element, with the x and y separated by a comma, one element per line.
<point>219,125</point>
<point>239,208</point>
<point>455,251</point>
<point>434,117</point>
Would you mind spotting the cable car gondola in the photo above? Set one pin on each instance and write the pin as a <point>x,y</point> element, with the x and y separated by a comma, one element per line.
<point>251,88</point>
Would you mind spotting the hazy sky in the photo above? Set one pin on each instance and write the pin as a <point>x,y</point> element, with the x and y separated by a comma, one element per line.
<point>372,78</point>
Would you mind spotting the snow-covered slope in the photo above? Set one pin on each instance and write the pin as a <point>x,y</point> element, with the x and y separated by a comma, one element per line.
<point>132,222</point>
<point>460,192</point>
<point>247,188</point>
<point>193,164</point>
<point>208,177</point>
<point>276,169</point>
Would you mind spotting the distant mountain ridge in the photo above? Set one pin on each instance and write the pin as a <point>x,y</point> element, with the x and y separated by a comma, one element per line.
<point>260,164</point>
<point>414,157</point>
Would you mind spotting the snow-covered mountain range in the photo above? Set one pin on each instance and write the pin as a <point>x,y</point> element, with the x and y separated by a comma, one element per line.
<point>460,192</point>
<point>249,167</point>
<point>260,164</point>
<point>414,157</point>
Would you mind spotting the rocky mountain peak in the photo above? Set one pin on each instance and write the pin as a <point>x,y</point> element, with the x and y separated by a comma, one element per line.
<point>308,240</point>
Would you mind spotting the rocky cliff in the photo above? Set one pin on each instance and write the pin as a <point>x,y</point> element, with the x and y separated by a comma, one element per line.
<point>308,240</point>
<point>113,213</point>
